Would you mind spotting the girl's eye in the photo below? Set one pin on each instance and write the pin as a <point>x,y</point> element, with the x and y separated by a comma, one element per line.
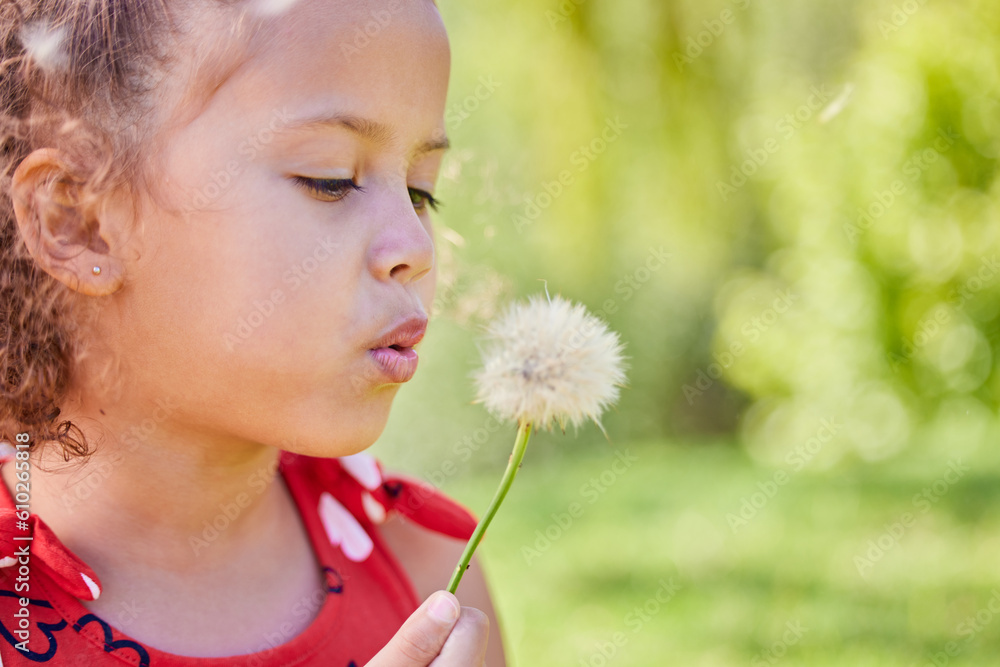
<point>328,189</point>
<point>422,199</point>
<point>335,189</point>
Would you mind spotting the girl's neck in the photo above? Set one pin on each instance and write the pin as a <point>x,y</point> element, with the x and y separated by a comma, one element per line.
<point>176,528</point>
<point>175,501</point>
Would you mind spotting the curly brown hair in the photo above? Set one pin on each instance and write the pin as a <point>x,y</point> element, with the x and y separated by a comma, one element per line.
<point>91,99</point>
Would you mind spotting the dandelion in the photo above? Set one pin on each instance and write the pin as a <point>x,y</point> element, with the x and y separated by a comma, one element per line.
<point>549,362</point>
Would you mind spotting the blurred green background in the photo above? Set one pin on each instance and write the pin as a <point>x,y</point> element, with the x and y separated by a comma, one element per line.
<point>789,212</point>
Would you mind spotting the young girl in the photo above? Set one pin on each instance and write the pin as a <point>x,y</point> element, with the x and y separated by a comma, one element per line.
<point>216,262</point>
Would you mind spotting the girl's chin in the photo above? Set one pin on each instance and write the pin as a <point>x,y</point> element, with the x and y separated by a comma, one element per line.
<point>328,450</point>
<point>331,426</point>
<point>342,439</point>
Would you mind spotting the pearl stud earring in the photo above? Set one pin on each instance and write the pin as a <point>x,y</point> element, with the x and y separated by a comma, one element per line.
<point>97,270</point>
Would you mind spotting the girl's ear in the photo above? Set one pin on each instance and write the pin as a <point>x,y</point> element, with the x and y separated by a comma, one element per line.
<point>61,233</point>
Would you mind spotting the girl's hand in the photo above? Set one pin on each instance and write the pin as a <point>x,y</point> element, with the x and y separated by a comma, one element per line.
<point>438,634</point>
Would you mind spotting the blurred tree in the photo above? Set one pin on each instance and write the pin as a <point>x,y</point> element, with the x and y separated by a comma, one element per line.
<point>787,209</point>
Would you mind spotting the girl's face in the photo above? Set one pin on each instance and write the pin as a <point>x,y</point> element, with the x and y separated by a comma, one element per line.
<point>295,231</point>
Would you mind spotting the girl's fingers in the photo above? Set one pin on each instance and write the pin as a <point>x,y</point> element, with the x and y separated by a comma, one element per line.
<point>421,638</point>
<point>466,645</point>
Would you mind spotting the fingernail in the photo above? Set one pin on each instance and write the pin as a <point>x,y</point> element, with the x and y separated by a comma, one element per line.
<point>443,608</point>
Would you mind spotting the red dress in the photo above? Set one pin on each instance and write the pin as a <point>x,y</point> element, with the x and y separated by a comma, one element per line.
<point>368,596</point>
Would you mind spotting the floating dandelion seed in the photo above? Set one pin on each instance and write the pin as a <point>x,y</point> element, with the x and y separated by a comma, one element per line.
<point>271,7</point>
<point>44,45</point>
<point>549,361</point>
<point>834,108</point>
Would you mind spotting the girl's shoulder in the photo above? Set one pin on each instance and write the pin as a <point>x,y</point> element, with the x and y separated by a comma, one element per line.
<point>423,528</point>
<point>347,506</point>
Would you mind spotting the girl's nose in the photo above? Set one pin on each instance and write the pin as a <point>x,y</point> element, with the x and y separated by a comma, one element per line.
<point>403,249</point>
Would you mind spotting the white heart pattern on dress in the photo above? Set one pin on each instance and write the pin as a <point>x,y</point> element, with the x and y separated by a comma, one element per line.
<point>343,529</point>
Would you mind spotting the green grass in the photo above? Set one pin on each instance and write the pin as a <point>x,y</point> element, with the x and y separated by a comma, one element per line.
<point>664,518</point>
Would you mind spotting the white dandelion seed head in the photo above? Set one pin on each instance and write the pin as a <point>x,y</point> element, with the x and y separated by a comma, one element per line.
<point>550,361</point>
<point>45,45</point>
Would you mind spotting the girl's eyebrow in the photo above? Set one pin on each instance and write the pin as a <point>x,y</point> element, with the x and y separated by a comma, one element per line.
<point>371,130</point>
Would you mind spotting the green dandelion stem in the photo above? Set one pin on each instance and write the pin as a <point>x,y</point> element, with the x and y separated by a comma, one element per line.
<point>520,446</point>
